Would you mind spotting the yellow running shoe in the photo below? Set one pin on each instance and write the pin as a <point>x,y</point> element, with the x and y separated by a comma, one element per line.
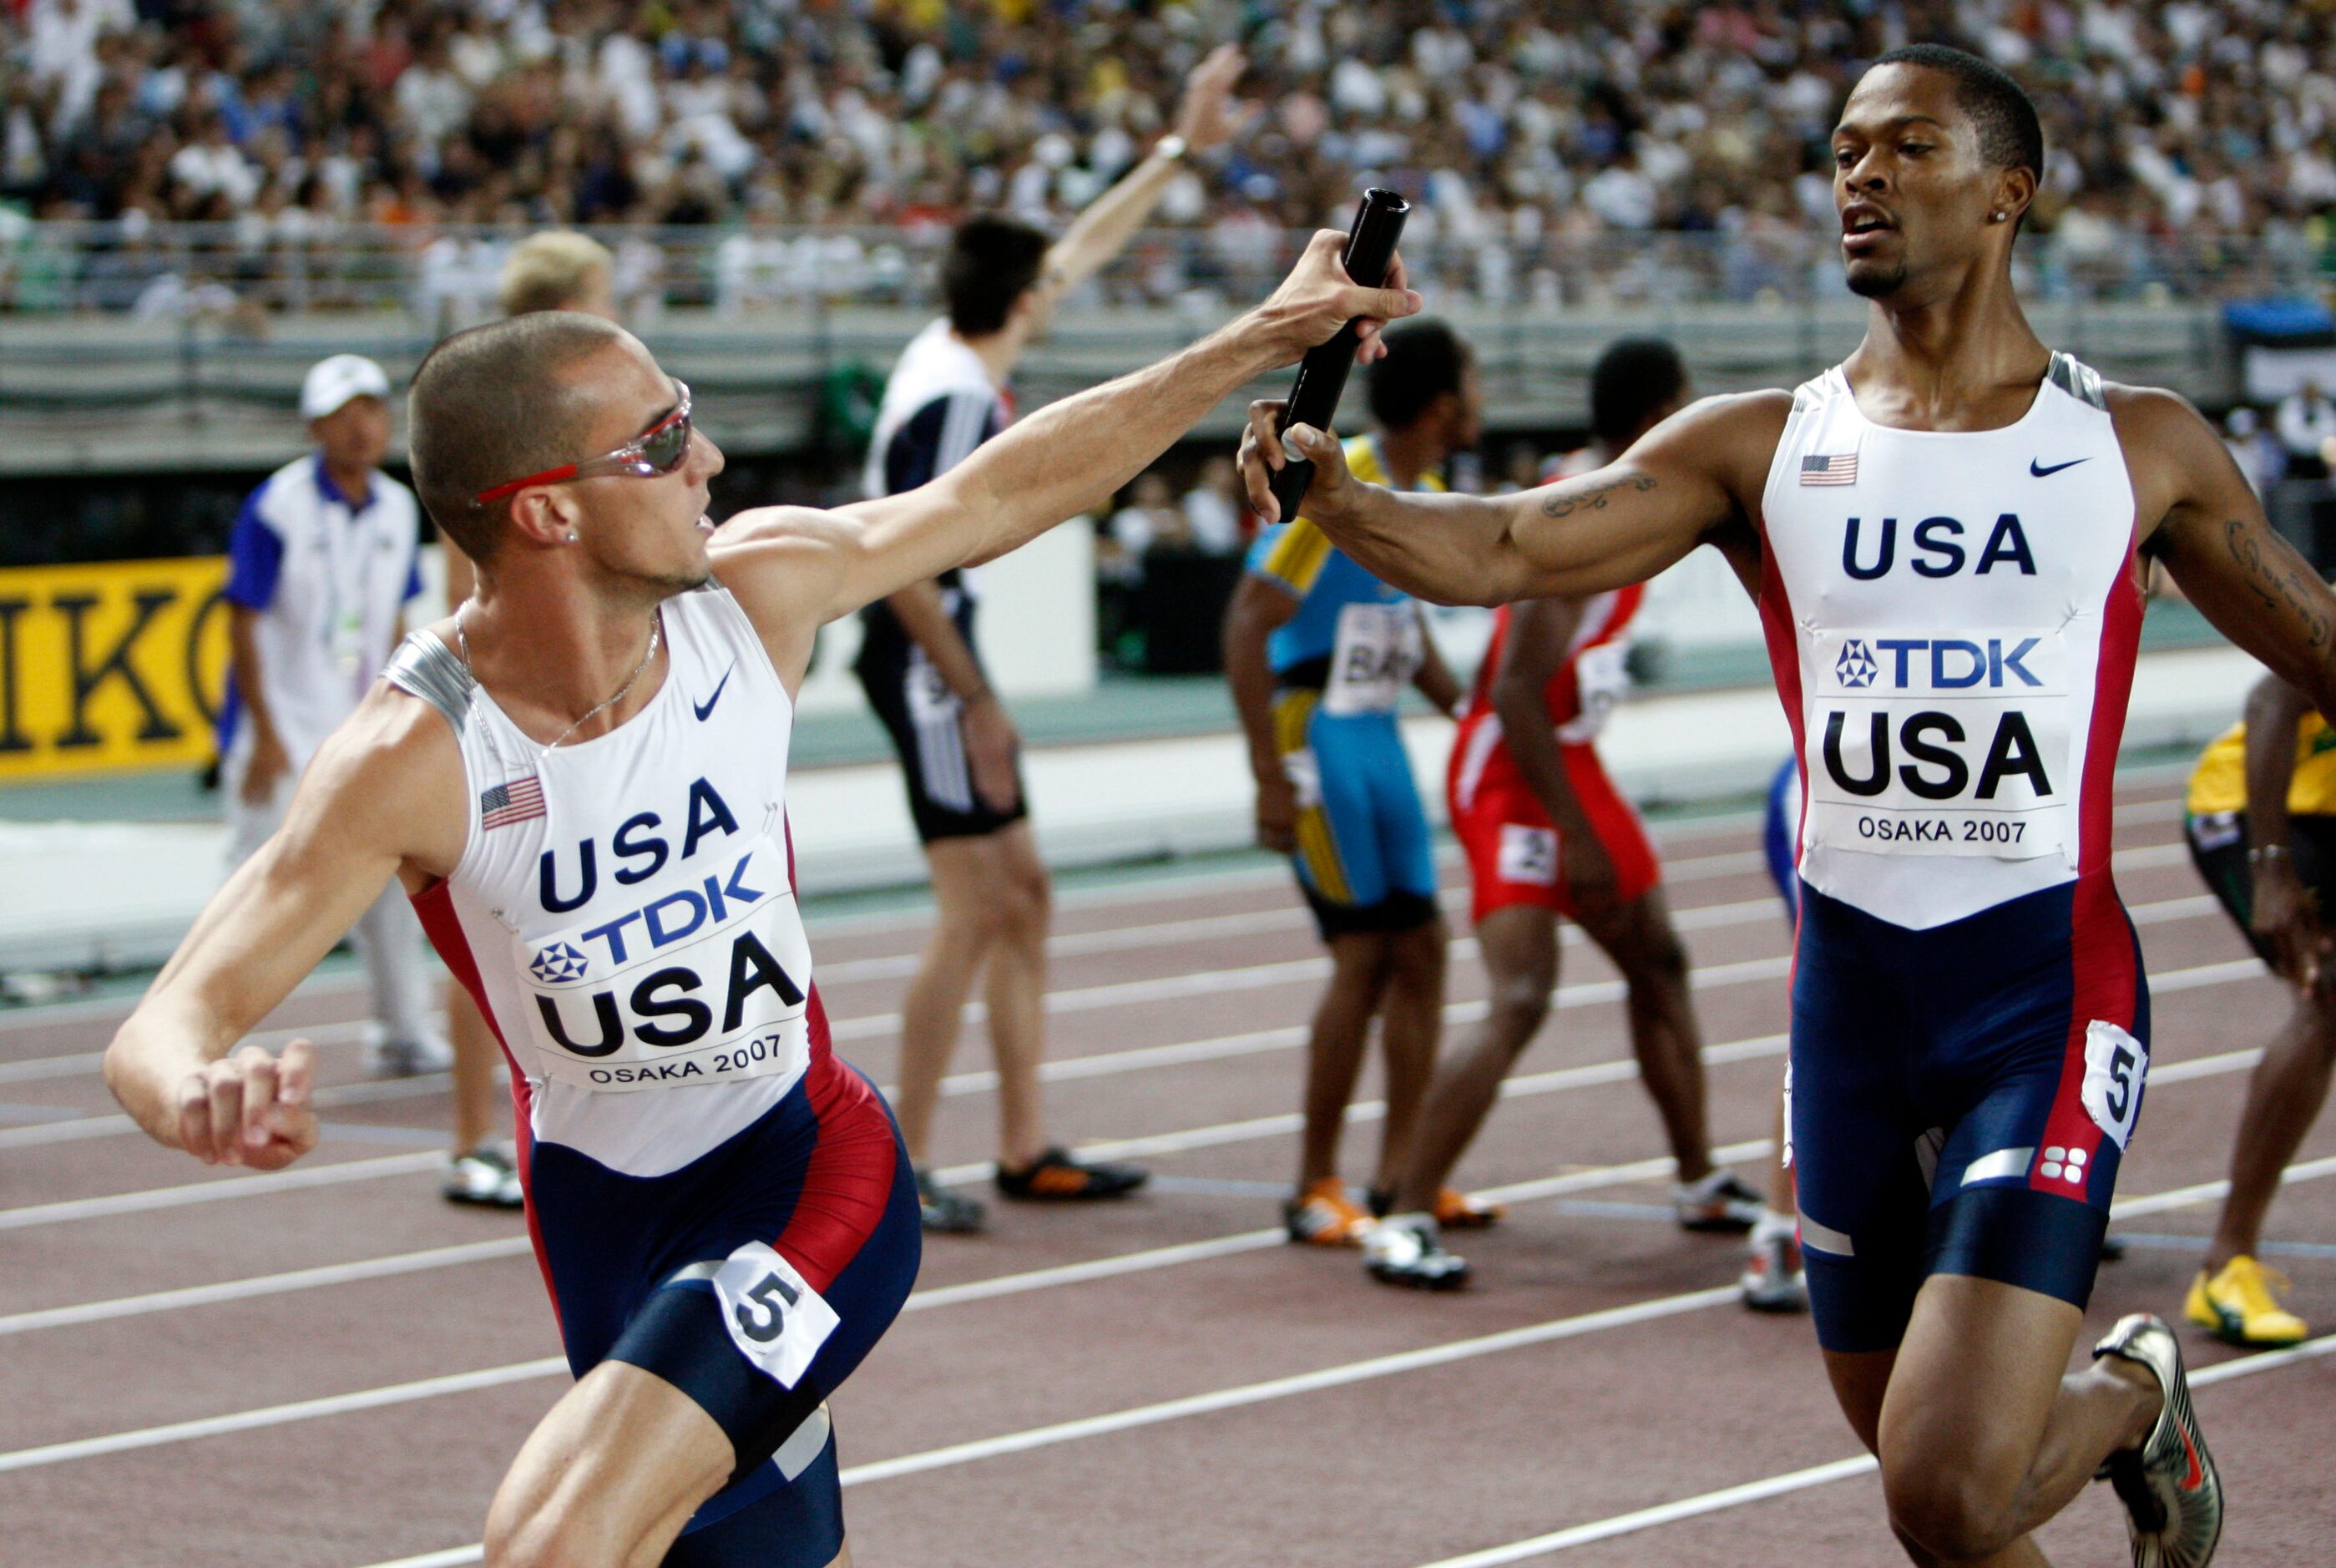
<point>1324,1216</point>
<point>2238,1305</point>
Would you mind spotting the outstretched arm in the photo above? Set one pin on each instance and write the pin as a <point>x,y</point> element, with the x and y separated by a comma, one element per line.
<point>383,790</point>
<point>2240,572</point>
<point>1204,120</point>
<point>1698,470</point>
<point>794,569</point>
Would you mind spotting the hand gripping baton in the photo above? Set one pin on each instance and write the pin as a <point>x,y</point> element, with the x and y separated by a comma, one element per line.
<point>1322,374</point>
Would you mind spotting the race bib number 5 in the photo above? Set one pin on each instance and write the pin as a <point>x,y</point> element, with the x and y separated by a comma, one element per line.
<point>702,978</point>
<point>1939,745</point>
<point>774,1317</point>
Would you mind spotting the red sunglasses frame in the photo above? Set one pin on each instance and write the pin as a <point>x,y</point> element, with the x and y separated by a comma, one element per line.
<point>626,460</point>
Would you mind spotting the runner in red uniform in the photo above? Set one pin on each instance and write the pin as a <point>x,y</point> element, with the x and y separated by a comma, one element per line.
<point>1547,834</point>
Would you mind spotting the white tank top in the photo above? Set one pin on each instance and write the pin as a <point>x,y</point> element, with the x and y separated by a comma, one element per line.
<point>625,903</point>
<point>1952,618</point>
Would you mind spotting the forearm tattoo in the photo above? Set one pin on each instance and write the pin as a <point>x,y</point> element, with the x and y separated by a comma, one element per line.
<point>1592,498</point>
<point>2279,577</point>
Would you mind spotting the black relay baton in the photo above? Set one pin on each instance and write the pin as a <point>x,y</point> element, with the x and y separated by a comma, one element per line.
<point>1322,374</point>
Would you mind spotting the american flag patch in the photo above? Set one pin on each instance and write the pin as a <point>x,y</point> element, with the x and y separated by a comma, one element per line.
<point>1837,470</point>
<point>514,802</point>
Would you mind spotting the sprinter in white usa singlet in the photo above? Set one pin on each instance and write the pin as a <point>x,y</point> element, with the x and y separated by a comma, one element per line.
<point>579,778</point>
<point>1947,537</point>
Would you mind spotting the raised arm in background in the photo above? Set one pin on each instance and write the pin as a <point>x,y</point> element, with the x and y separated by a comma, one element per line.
<point>1204,120</point>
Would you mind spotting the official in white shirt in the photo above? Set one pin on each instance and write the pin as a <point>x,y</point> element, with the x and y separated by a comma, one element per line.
<point>322,562</point>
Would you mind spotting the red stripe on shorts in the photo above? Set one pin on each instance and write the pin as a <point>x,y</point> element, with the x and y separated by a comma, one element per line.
<point>848,1183</point>
<point>2101,956</point>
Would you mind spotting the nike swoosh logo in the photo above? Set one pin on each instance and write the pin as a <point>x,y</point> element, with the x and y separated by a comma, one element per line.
<point>706,707</point>
<point>2036,466</point>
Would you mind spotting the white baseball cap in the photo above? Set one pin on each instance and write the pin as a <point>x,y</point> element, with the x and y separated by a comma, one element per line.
<point>331,384</point>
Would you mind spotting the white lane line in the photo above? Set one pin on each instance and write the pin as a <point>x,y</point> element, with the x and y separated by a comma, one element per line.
<point>1247,1394</point>
<point>1009,1443</point>
<point>1110,940</point>
<point>2211,1192</point>
<point>278,1415</point>
<point>419,1087</point>
<point>922,1300</point>
<point>1432,1356</point>
<point>1760,1490</point>
<point>1155,1144</point>
<point>218,1190</point>
<point>265,1285</point>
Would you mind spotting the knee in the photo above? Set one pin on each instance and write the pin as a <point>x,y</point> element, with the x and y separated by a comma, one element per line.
<point>1520,1002</point>
<point>523,1536</point>
<point>1952,1513</point>
<point>1024,906</point>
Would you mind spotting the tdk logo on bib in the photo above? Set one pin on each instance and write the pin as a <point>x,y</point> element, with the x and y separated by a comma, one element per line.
<point>1855,667</point>
<point>708,977</point>
<point>559,963</point>
<point>1938,663</point>
<point>1938,745</point>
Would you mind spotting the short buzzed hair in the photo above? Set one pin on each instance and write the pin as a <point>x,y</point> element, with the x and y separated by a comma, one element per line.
<point>1633,378</point>
<point>553,271</point>
<point>2010,136</point>
<point>494,403</point>
<point>992,262</point>
<point>1425,359</point>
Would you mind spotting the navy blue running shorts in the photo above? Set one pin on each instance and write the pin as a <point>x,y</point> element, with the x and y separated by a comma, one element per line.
<point>1959,1097</point>
<point>754,1278</point>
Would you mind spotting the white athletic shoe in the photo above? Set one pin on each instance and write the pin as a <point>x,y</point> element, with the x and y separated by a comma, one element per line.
<point>487,1176</point>
<point>1405,1249</point>
<point>388,1059</point>
<point>1773,1279</point>
<point>1722,1200</point>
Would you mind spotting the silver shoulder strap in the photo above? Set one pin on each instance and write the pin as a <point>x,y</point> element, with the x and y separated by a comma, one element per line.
<point>2079,380</point>
<point>424,667</point>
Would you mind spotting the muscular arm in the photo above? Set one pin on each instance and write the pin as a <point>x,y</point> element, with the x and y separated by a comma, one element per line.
<point>384,792</point>
<point>2211,534</point>
<point>1697,471</point>
<point>796,569</point>
<point>1258,606</point>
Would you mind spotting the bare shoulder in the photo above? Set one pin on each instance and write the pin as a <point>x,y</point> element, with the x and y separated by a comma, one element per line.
<point>2154,413</point>
<point>388,780</point>
<point>779,561</point>
<point>2175,458</point>
<point>1730,436</point>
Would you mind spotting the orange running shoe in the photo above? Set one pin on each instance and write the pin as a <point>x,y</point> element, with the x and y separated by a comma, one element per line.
<point>1324,1216</point>
<point>1457,1211</point>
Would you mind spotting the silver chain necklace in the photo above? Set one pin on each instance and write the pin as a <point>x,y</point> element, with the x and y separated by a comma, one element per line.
<point>657,630</point>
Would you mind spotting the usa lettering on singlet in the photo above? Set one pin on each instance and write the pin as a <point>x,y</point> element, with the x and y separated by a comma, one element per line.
<point>1952,617</point>
<point>628,901</point>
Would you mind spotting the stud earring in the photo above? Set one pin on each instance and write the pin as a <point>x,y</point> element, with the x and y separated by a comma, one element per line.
<point>571,536</point>
<point>1999,217</point>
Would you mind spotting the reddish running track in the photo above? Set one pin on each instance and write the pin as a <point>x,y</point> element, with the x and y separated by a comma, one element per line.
<point>335,1367</point>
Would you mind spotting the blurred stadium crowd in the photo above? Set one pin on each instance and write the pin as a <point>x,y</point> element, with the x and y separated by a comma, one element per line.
<point>2182,129</point>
